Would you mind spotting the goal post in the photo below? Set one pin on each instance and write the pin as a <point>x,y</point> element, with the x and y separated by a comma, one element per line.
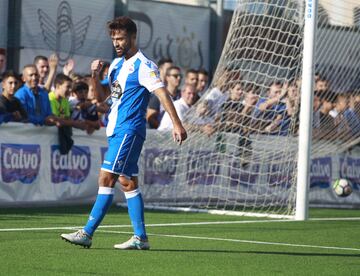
<point>306,110</point>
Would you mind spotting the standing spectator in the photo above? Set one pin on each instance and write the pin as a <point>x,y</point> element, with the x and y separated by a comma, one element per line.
<point>316,109</point>
<point>61,109</point>
<point>59,102</point>
<point>35,99</point>
<point>46,69</point>
<point>191,77</point>
<point>82,108</point>
<point>270,108</point>
<point>2,64</point>
<point>2,60</point>
<point>289,123</point>
<point>321,85</point>
<point>182,105</point>
<point>163,65</point>
<point>10,107</point>
<point>326,123</point>
<point>235,117</point>
<point>347,122</point>
<point>203,81</point>
<point>155,110</point>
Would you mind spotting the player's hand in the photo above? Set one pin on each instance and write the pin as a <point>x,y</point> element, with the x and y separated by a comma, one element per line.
<point>96,66</point>
<point>179,134</point>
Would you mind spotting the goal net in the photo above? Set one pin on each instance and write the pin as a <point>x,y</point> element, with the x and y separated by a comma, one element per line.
<point>241,153</point>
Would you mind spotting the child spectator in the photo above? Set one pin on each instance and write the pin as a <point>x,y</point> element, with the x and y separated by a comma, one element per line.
<point>10,107</point>
<point>82,108</point>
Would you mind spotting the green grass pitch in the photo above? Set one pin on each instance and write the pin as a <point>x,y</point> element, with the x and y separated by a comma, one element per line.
<point>181,244</point>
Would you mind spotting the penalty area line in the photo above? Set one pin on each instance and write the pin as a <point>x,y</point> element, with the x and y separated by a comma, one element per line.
<point>239,241</point>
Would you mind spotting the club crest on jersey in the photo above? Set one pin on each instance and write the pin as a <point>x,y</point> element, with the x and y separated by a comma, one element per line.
<point>131,68</point>
<point>116,90</point>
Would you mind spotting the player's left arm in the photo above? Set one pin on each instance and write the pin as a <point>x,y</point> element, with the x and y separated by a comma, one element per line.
<point>179,132</point>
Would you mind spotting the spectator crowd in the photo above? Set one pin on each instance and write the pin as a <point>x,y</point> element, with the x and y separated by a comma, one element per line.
<point>41,95</point>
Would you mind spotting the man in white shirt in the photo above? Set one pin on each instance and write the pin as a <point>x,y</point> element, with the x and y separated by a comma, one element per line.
<point>182,105</point>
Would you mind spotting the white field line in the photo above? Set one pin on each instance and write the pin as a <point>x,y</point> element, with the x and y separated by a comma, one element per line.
<point>147,225</point>
<point>171,224</point>
<point>240,241</point>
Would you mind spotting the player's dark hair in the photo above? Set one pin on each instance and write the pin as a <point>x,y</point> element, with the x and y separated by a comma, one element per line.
<point>80,86</point>
<point>60,79</point>
<point>38,58</point>
<point>122,23</point>
<point>8,74</point>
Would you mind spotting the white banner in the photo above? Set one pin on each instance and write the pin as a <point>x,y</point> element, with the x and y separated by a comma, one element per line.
<point>73,29</point>
<point>33,171</point>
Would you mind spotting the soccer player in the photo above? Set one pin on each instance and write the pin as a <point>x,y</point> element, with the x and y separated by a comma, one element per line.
<point>132,77</point>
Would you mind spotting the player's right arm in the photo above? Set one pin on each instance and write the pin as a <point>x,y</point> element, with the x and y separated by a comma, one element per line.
<point>96,66</point>
<point>179,132</point>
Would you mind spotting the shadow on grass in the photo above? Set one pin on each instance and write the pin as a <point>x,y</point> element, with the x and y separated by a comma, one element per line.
<point>219,251</point>
<point>259,252</point>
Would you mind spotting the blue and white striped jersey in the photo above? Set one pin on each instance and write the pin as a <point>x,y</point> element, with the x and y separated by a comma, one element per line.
<point>131,82</point>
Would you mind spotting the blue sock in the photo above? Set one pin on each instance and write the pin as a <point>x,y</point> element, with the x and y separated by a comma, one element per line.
<point>136,212</point>
<point>101,205</point>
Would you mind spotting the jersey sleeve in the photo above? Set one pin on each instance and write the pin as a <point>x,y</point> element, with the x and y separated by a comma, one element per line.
<point>149,76</point>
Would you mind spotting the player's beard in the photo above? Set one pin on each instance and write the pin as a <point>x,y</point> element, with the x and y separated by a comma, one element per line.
<point>124,50</point>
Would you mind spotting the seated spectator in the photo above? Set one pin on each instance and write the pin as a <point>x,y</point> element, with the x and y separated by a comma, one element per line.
<point>155,111</point>
<point>182,105</point>
<point>270,108</point>
<point>10,107</point>
<point>46,69</point>
<point>82,108</point>
<point>34,99</point>
<point>203,81</point>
